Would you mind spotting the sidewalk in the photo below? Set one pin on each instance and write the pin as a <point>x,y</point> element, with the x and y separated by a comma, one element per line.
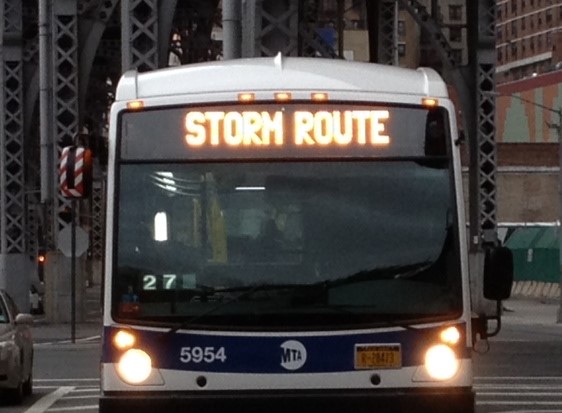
<point>52,333</point>
<point>85,331</point>
<point>531,311</point>
<point>517,311</point>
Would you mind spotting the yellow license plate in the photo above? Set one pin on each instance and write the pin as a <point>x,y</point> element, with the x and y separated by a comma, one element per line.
<point>378,356</point>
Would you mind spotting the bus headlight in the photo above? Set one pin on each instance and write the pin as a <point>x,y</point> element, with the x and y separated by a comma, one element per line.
<point>134,366</point>
<point>441,362</point>
<point>123,340</point>
<point>451,335</point>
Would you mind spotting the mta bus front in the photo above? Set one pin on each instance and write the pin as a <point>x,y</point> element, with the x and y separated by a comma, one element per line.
<point>291,256</point>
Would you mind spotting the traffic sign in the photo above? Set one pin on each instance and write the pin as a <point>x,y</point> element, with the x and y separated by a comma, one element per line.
<point>64,241</point>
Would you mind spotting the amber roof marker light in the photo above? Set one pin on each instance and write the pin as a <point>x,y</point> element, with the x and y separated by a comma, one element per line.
<point>430,102</point>
<point>246,97</point>
<point>283,96</point>
<point>135,104</point>
<point>319,96</point>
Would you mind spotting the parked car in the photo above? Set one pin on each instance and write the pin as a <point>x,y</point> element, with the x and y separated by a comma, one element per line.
<point>16,350</point>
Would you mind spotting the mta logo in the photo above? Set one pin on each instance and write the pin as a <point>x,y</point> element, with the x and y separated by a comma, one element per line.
<point>293,355</point>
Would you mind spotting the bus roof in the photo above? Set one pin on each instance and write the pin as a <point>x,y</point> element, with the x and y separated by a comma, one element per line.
<point>281,74</point>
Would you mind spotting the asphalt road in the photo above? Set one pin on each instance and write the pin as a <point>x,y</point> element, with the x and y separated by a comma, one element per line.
<point>521,371</point>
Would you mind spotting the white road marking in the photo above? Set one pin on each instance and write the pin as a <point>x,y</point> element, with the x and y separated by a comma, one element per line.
<point>58,345</point>
<point>531,411</point>
<point>61,379</point>
<point>531,394</point>
<point>496,378</point>
<point>78,340</point>
<point>68,409</point>
<point>47,401</point>
<point>517,387</point>
<point>521,402</point>
<point>519,394</point>
<point>93,396</point>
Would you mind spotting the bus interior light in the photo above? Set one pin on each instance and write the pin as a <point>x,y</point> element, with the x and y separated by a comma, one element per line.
<point>135,105</point>
<point>250,188</point>
<point>246,97</point>
<point>283,96</point>
<point>319,96</point>
<point>430,102</point>
<point>123,340</point>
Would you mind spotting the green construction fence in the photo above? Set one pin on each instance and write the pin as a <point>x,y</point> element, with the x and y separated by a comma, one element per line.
<point>536,253</point>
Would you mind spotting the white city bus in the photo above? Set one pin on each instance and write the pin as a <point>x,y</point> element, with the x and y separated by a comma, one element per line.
<point>286,234</point>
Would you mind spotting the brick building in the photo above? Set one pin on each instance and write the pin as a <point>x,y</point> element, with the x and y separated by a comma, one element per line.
<point>527,112</point>
<point>529,38</point>
<point>529,46</point>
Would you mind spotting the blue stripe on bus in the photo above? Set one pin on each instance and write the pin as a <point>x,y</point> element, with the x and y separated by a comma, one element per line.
<point>273,354</point>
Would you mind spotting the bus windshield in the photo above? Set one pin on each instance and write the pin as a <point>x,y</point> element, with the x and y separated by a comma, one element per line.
<point>286,244</point>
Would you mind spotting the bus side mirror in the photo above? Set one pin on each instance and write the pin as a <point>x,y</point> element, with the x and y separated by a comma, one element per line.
<point>498,273</point>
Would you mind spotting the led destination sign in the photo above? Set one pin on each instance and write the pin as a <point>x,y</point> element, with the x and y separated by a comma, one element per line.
<point>253,128</point>
<point>289,130</point>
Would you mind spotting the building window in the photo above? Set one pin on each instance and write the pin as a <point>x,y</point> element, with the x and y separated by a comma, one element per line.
<point>523,23</point>
<point>514,27</point>
<point>455,34</point>
<point>500,55</point>
<point>532,21</point>
<point>549,15</point>
<point>532,43</point>
<point>514,6</point>
<point>549,40</point>
<point>513,49</point>
<point>401,49</point>
<point>455,12</point>
<point>499,34</point>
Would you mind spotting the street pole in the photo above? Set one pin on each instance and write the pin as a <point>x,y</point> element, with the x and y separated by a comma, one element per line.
<point>45,133</point>
<point>232,29</point>
<point>73,273</point>
<point>558,128</point>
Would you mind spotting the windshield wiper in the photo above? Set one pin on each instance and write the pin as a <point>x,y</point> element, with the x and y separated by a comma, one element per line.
<point>384,273</point>
<point>245,291</point>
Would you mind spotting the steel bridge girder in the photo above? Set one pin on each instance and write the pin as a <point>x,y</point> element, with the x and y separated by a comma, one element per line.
<point>12,169</point>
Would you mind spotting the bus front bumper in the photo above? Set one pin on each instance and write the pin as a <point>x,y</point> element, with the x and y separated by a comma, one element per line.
<point>458,400</point>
